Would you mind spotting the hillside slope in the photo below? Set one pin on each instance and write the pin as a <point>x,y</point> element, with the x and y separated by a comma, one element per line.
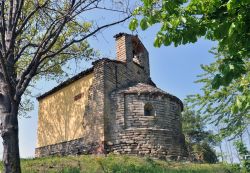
<point>114,164</point>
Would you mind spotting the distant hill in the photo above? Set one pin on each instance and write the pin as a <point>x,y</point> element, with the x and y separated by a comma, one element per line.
<point>115,164</point>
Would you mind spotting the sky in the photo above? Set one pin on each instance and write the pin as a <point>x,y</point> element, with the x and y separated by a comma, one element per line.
<point>173,69</point>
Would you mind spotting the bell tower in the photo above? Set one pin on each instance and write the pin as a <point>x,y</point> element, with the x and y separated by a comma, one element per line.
<point>130,49</point>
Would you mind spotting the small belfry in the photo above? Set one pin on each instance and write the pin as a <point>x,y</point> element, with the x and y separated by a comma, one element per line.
<point>129,49</point>
<point>113,107</point>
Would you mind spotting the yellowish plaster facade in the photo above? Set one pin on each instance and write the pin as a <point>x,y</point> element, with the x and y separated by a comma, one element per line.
<point>61,113</point>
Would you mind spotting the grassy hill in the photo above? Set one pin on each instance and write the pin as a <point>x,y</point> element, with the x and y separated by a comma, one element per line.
<point>114,164</point>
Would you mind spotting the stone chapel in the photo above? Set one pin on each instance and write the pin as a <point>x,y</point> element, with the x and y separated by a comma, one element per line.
<point>113,107</point>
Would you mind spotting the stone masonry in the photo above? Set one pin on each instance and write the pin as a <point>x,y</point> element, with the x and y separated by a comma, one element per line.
<point>126,113</point>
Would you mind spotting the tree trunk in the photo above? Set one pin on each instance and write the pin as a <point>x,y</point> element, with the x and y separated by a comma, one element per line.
<point>9,133</point>
<point>221,153</point>
<point>248,134</point>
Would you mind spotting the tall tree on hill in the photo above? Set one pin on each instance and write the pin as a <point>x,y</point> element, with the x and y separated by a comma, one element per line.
<point>226,91</point>
<point>228,107</point>
<point>36,39</point>
<point>185,21</point>
<point>199,141</point>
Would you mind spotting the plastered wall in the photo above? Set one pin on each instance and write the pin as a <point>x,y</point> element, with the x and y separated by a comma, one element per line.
<point>61,114</point>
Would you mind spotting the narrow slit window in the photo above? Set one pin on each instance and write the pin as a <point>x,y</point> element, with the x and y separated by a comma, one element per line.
<point>148,109</point>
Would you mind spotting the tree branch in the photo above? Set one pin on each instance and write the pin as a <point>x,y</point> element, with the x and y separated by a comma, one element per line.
<point>85,37</point>
<point>49,41</point>
<point>6,77</point>
<point>3,27</point>
<point>23,49</point>
<point>30,15</point>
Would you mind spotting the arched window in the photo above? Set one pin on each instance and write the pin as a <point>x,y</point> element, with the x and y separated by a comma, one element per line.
<point>149,110</point>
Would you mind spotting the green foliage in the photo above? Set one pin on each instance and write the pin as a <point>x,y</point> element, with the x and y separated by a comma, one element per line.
<point>235,167</point>
<point>205,152</point>
<point>242,150</point>
<point>227,108</point>
<point>39,27</point>
<point>193,126</point>
<point>70,170</point>
<point>39,34</point>
<point>133,24</point>
<point>183,21</point>
<point>26,105</point>
<point>199,141</point>
<point>114,164</point>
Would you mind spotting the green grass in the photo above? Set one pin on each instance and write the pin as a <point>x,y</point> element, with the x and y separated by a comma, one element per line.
<point>114,164</point>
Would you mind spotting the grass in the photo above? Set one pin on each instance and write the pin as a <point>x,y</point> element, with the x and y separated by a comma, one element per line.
<point>114,164</point>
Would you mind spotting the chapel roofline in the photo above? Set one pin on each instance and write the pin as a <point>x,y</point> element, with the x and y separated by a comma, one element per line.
<point>148,89</point>
<point>122,34</point>
<point>66,83</point>
<point>82,74</point>
<point>78,76</point>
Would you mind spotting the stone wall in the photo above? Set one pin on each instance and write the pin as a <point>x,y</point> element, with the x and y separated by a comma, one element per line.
<point>93,118</point>
<point>118,75</point>
<point>126,129</point>
<point>134,133</point>
<point>149,142</point>
<point>166,112</point>
<point>73,147</point>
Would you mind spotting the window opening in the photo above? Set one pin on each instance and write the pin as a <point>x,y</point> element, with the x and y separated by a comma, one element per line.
<point>148,109</point>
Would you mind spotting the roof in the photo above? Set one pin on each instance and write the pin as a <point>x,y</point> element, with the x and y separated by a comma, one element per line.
<point>139,88</point>
<point>143,88</point>
<point>67,82</point>
<point>122,34</point>
<point>107,60</point>
<point>76,77</point>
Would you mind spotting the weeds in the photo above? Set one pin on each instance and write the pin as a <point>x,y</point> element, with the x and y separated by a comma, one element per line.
<point>115,164</point>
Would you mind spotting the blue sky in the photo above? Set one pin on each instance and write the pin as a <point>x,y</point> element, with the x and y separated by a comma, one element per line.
<point>173,69</point>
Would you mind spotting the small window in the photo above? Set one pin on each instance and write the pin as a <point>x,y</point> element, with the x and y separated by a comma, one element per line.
<point>78,96</point>
<point>149,110</point>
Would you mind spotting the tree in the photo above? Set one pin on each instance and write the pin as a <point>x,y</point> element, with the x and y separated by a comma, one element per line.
<point>226,97</point>
<point>227,107</point>
<point>36,39</point>
<point>199,141</point>
<point>184,21</point>
<point>242,150</point>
